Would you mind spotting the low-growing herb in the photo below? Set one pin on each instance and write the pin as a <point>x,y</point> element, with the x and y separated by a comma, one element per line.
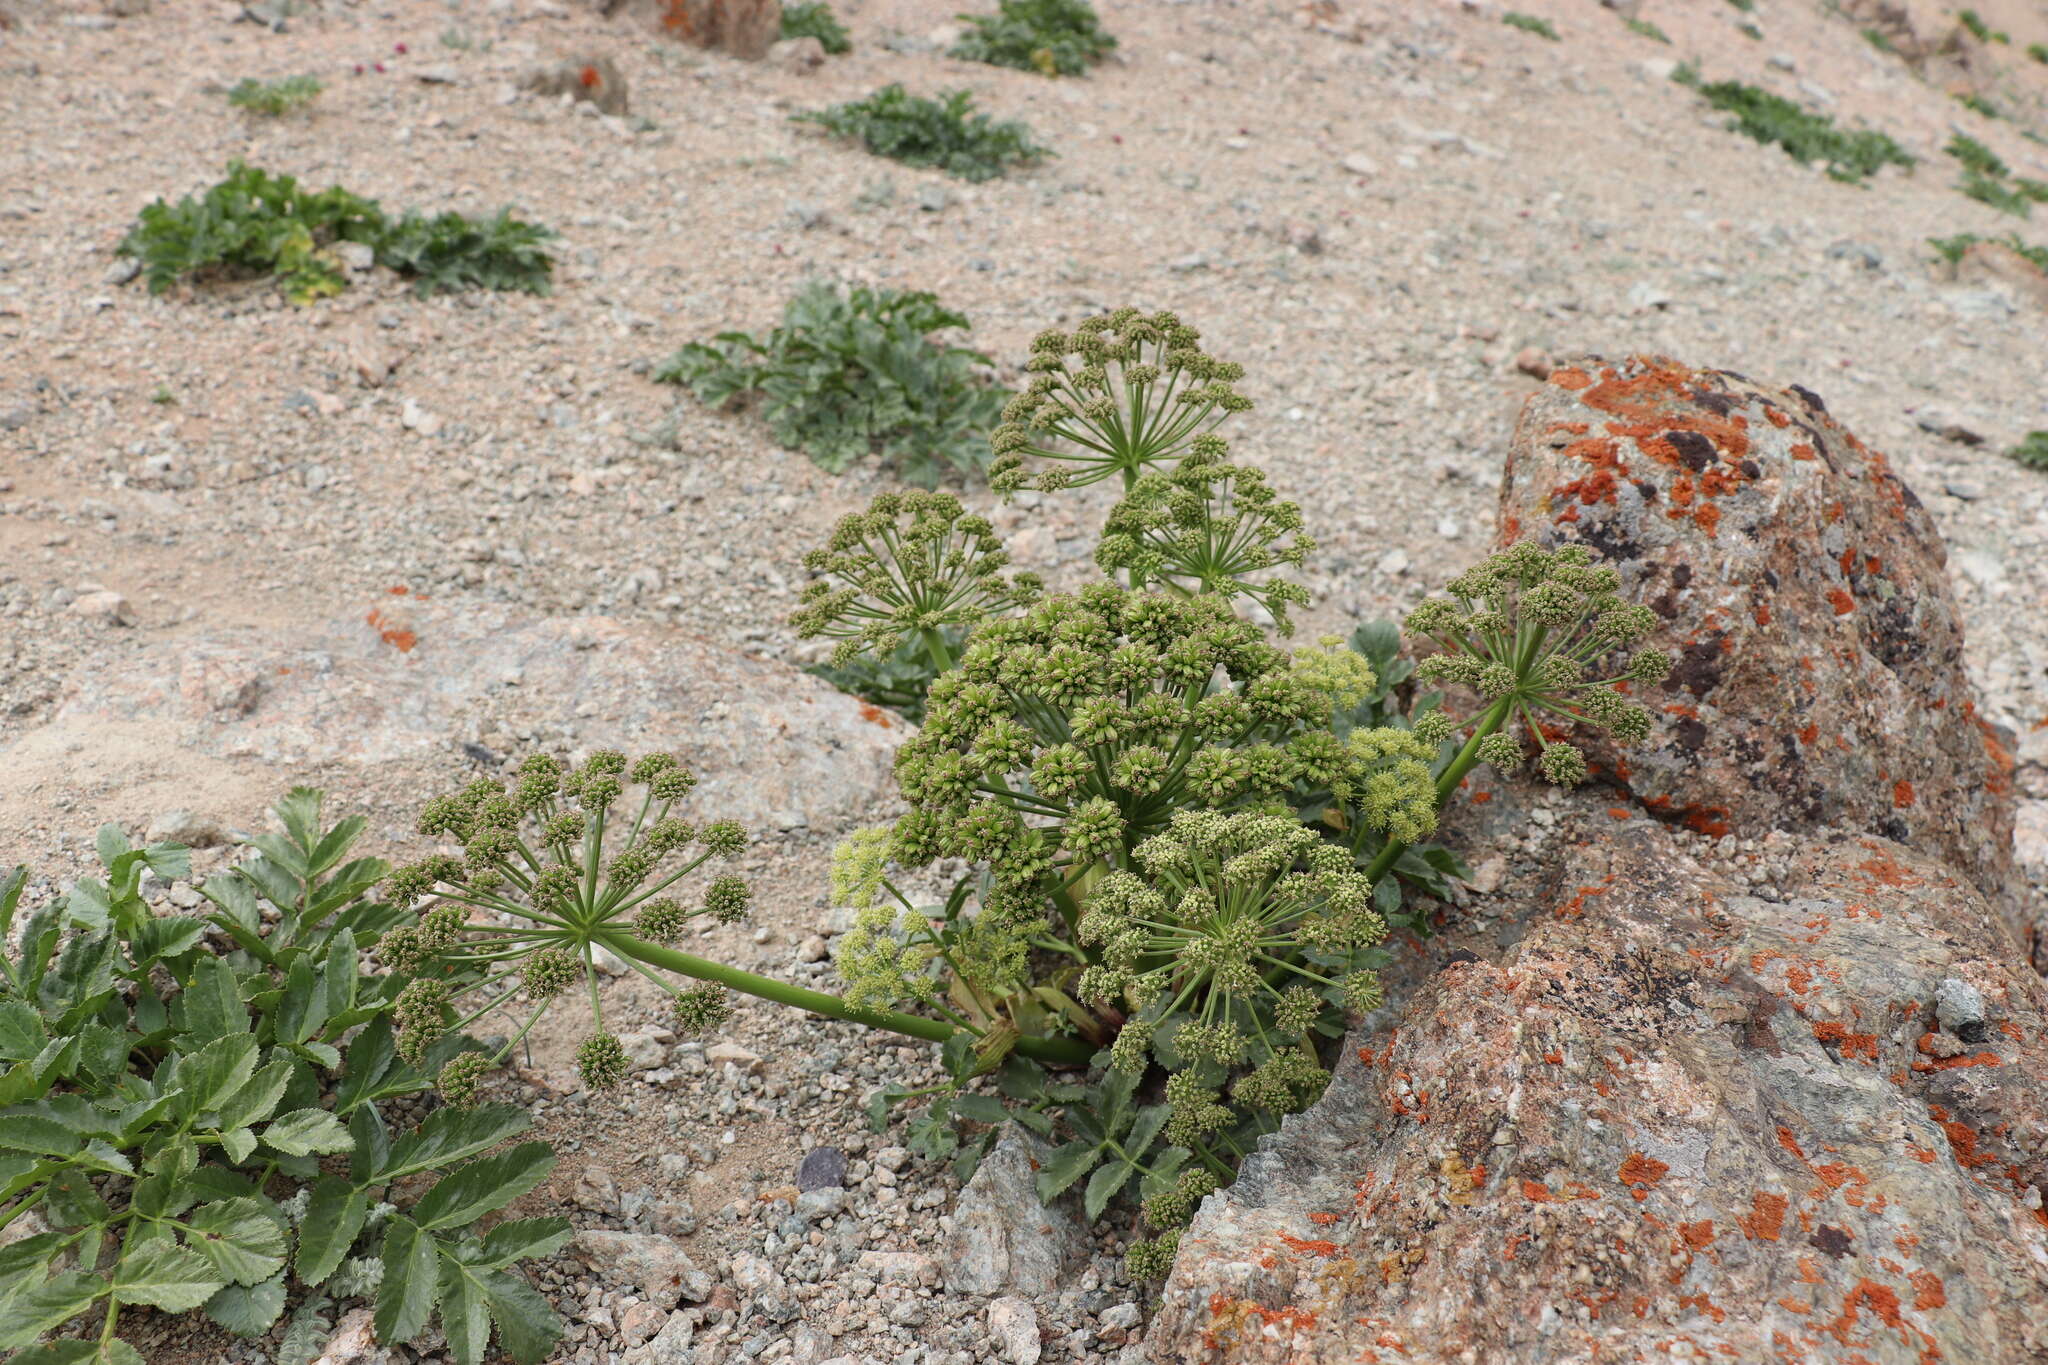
<point>854,374</point>
<point>1530,23</point>
<point>815,19</point>
<point>256,223</point>
<point>2033,451</point>
<point>1806,137</point>
<point>1980,30</point>
<point>1053,37</point>
<point>1644,28</point>
<point>1951,249</point>
<point>179,1094</point>
<point>945,133</point>
<point>275,98</point>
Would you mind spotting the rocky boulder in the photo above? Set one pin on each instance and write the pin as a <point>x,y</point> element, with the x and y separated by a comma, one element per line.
<point>1743,1057</point>
<point>1819,646</point>
<point>590,80</point>
<point>1675,1115</point>
<point>412,679</point>
<point>740,28</point>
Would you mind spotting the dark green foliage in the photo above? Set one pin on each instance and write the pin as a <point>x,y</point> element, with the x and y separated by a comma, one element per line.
<point>1806,137</point>
<point>1644,28</point>
<point>1977,104</point>
<point>274,97</point>
<point>1529,23</point>
<point>1951,249</point>
<point>451,252</point>
<point>815,19</point>
<point>1746,6</point>
<point>1980,30</point>
<point>256,223</point>
<point>2032,452</point>
<point>1976,156</point>
<point>845,377</point>
<point>1877,38</point>
<point>2039,52</point>
<point>898,680</point>
<point>945,133</point>
<point>1054,37</point>
<point>161,1098</point>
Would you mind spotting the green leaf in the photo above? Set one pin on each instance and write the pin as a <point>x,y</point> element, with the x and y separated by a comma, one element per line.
<point>166,937</point>
<point>248,1310</point>
<point>465,1315</point>
<point>303,1007</point>
<point>308,1130</point>
<point>527,1327</point>
<point>241,1237</point>
<point>1107,1182</point>
<point>334,1218</point>
<point>111,843</point>
<point>11,885</point>
<point>338,974</point>
<point>1067,1164</point>
<point>238,1143</point>
<point>21,1031</point>
<point>1145,1131</point>
<point>165,1275</point>
<point>483,1186</point>
<point>449,1135</point>
<point>980,1108</point>
<point>522,1239</point>
<point>369,1057</point>
<point>372,1151</point>
<point>33,1306</point>
<point>306,1334</point>
<point>59,1353</point>
<point>212,1002</point>
<point>23,1131</point>
<point>257,1099</point>
<point>405,1298</point>
<point>213,1074</point>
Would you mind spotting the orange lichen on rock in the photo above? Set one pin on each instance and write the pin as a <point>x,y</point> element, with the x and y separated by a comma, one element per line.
<point>391,633</point>
<point>1765,1219</point>
<point>1849,1044</point>
<point>1841,601</point>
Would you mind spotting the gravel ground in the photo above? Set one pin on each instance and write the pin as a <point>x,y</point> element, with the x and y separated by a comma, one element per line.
<point>1384,214</point>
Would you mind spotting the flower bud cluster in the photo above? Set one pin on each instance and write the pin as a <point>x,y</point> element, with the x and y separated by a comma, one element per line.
<point>913,562</point>
<point>1138,393</point>
<point>1536,633</point>
<point>1209,527</point>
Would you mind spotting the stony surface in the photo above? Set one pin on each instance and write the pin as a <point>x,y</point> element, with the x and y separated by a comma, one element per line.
<point>594,79</point>
<point>1802,584</point>
<point>1675,1112</point>
<point>1003,1240</point>
<point>744,28</point>
<point>408,677</point>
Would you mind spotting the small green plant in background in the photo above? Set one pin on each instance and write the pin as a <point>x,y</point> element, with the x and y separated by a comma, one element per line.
<point>1977,104</point>
<point>1880,40</point>
<point>1985,179</point>
<point>851,375</point>
<point>1530,23</point>
<point>1806,137</point>
<point>815,19</point>
<point>275,98</point>
<point>1746,6</point>
<point>1980,30</point>
<point>1052,37</point>
<point>2033,451</point>
<point>1975,156</point>
<point>257,223</point>
<point>2039,52</point>
<point>162,396</point>
<point>1644,28</point>
<point>179,1093</point>
<point>1951,249</point>
<point>945,133</point>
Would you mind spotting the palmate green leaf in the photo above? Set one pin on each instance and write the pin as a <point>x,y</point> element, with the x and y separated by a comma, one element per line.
<point>1067,1164</point>
<point>306,1131</point>
<point>474,1296</point>
<point>165,1275</point>
<point>405,1297</point>
<point>242,1238</point>
<point>334,1218</point>
<point>528,1327</point>
<point>483,1186</point>
<point>465,1316</point>
<point>1107,1182</point>
<point>248,1310</point>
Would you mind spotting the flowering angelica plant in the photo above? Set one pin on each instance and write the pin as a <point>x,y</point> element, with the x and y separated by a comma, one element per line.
<point>1142,392</point>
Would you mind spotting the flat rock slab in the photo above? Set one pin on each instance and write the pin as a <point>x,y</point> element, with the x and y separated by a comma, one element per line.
<point>1676,1121</point>
<point>411,679</point>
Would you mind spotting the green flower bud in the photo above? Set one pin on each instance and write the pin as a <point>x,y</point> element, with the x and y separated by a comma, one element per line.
<point>728,898</point>
<point>660,921</point>
<point>548,973</point>
<point>461,1079</point>
<point>1152,1260</point>
<point>602,1062</point>
<point>700,1010</point>
<point>1563,764</point>
<point>1501,750</point>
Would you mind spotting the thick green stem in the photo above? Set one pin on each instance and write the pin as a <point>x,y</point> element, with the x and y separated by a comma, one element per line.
<point>1066,1051</point>
<point>935,647</point>
<point>1446,784</point>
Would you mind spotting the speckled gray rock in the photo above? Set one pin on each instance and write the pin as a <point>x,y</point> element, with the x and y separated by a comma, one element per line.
<point>1817,638</point>
<point>408,678</point>
<point>1003,1240</point>
<point>656,1266</point>
<point>1674,1115</point>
